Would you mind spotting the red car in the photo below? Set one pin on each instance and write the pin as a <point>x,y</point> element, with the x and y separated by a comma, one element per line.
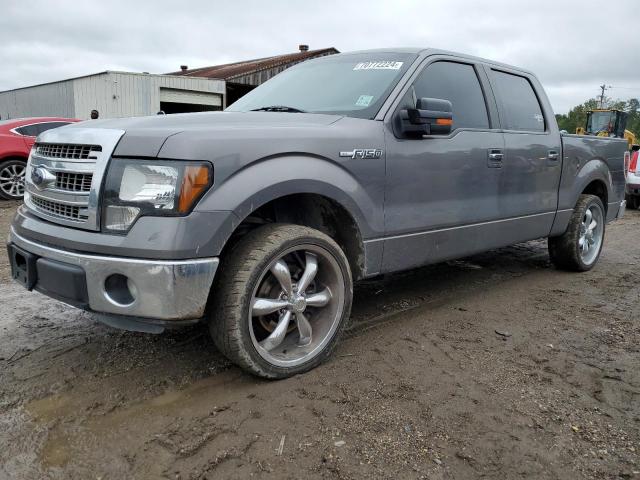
<point>16,139</point>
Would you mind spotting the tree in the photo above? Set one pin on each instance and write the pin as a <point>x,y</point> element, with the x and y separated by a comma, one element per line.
<point>577,116</point>
<point>633,109</point>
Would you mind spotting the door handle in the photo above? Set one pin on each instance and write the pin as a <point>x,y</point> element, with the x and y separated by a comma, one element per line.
<point>494,158</point>
<point>553,155</point>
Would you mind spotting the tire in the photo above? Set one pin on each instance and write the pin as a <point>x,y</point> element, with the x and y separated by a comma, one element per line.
<point>566,251</point>
<point>243,323</point>
<point>633,202</point>
<point>12,179</point>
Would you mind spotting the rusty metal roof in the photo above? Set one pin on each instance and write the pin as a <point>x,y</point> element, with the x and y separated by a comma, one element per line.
<point>231,71</point>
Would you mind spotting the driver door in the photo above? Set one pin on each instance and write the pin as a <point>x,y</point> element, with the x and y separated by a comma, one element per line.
<point>442,192</point>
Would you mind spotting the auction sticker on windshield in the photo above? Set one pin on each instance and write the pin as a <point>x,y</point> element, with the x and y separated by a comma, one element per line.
<point>364,100</point>
<point>383,65</point>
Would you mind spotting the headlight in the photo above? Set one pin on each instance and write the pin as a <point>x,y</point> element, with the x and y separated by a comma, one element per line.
<point>136,188</point>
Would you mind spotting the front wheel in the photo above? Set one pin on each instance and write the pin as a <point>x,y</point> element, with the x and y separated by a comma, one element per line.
<point>281,300</point>
<point>12,173</point>
<point>578,249</point>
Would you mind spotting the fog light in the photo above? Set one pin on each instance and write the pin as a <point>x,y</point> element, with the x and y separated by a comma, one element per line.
<point>119,217</point>
<point>120,290</point>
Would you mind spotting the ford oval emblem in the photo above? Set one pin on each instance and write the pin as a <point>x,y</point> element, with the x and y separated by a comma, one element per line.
<point>37,176</point>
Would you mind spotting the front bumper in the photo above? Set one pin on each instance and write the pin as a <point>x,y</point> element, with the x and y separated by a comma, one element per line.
<point>164,292</point>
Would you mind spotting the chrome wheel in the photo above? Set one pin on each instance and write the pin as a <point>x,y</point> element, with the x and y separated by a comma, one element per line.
<point>297,305</point>
<point>12,179</point>
<point>591,234</point>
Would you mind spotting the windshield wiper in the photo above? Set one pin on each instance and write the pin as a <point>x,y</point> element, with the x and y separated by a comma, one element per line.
<point>278,108</point>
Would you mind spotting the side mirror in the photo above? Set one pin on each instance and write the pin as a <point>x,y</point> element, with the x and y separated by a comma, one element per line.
<point>432,116</point>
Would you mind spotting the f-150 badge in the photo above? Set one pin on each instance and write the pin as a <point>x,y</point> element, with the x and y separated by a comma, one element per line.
<point>367,153</point>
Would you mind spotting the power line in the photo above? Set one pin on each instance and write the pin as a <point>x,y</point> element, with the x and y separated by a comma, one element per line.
<point>626,88</point>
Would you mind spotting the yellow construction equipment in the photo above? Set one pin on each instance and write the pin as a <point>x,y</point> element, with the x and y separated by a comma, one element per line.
<point>608,123</point>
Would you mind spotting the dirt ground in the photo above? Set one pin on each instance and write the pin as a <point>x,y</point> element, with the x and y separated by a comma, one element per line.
<point>494,367</point>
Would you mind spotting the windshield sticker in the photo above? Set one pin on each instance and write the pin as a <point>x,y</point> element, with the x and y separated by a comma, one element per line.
<point>385,65</point>
<point>364,101</point>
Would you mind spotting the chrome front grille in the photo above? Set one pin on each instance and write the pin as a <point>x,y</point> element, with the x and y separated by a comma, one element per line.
<point>57,209</point>
<point>73,182</point>
<point>64,174</point>
<point>67,151</point>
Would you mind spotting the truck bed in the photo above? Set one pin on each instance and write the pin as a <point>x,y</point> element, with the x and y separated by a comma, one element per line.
<point>595,153</point>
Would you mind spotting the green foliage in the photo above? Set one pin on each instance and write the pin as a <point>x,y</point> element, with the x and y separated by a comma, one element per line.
<point>577,116</point>
<point>633,122</point>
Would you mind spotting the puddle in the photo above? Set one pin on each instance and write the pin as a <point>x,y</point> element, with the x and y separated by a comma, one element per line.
<point>50,408</point>
<point>56,451</point>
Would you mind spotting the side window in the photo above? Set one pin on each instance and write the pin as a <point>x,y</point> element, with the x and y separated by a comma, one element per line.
<point>458,83</point>
<point>43,127</point>
<point>518,103</point>
<point>37,128</point>
<point>28,130</point>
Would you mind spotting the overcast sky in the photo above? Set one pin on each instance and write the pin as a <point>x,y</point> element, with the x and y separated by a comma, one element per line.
<point>573,46</point>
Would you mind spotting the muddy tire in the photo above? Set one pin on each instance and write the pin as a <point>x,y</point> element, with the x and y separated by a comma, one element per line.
<point>281,300</point>
<point>578,249</point>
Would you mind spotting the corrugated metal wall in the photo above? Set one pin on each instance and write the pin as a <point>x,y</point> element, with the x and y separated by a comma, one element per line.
<point>129,94</point>
<point>113,94</point>
<point>54,99</point>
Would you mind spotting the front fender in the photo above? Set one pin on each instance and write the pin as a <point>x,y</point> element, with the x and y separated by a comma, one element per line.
<point>271,178</point>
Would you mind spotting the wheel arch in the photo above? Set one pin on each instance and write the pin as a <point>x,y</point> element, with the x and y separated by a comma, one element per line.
<point>598,188</point>
<point>594,178</point>
<point>314,210</point>
<point>303,190</point>
<point>10,157</point>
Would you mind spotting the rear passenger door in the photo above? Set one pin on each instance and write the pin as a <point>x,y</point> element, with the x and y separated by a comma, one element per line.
<point>532,162</point>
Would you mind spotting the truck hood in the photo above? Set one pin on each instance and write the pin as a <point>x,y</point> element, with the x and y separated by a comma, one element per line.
<point>144,136</point>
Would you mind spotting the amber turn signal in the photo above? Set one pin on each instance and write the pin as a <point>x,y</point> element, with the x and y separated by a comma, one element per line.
<point>195,181</point>
<point>444,121</point>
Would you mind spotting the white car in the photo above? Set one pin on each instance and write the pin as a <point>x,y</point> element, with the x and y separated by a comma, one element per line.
<point>633,182</point>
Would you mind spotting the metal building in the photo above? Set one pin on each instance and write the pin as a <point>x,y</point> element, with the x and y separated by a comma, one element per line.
<point>114,94</point>
<point>242,77</point>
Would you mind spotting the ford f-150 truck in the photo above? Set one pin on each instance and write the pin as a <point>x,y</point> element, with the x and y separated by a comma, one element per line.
<point>257,220</point>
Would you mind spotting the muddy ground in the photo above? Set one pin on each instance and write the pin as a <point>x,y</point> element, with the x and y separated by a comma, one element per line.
<point>422,387</point>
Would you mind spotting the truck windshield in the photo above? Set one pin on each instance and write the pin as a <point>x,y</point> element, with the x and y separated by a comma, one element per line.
<point>354,85</point>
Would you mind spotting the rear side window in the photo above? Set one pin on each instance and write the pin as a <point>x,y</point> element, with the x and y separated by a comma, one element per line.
<point>518,103</point>
<point>458,83</point>
<point>43,127</point>
<point>28,130</point>
<point>37,128</point>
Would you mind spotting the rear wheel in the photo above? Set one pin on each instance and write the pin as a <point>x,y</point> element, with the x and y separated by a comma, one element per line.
<point>281,300</point>
<point>633,202</point>
<point>578,249</point>
<point>12,173</point>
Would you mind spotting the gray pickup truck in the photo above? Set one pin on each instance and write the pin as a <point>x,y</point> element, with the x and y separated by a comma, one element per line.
<point>257,220</point>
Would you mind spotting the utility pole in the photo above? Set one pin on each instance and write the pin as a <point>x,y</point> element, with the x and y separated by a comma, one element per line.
<point>603,87</point>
